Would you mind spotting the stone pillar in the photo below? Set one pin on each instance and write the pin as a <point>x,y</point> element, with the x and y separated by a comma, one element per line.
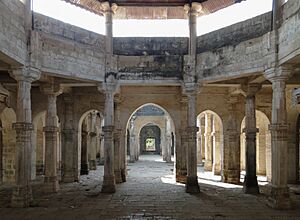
<point>123,155</point>
<point>168,148</point>
<point>202,130</point>
<point>84,167</point>
<point>101,147</point>
<point>117,165</point>
<point>132,146</point>
<point>117,141</point>
<point>109,88</point>
<point>68,151</point>
<point>192,185</point>
<point>193,10</point>
<point>208,143</point>
<point>279,127</point>
<point>250,182</point>
<point>51,138</point>
<point>261,153</point>
<point>22,194</point>
<point>216,136</point>
<point>181,144</point>
<point>199,150</point>
<point>92,141</point>
<point>231,149</point>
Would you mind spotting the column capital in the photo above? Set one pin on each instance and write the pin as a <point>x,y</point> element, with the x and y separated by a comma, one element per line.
<point>28,74</point>
<point>106,7</point>
<point>281,73</point>
<point>251,89</point>
<point>195,8</point>
<point>110,86</point>
<point>51,89</point>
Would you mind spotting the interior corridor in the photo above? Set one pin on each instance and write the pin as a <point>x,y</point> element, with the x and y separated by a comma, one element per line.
<point>149,193</point>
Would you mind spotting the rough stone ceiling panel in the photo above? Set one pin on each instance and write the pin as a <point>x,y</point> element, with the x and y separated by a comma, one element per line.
<point>151,9</point>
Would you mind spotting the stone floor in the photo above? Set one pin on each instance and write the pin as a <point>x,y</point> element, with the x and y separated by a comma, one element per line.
<point>149,193</point>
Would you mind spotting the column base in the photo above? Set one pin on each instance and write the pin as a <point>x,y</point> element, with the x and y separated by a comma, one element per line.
<point>51,184</point>
<point>192,185</point>
<point>231,176</point>
<point>181,176</point>
<point>93,165</point>
<point>109,185</point>
<point>21,197</point>
<point>118,176</point>
<point>280,198</point>
<point>84,169</point>
<point>251,185</point>
<point>123,175</point>
<point>68,177</point>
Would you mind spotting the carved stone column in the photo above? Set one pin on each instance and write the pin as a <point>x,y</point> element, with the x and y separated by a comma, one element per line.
<point>250,182</point>
<point>199,150</point>
<point>168,142</point>
<point>22,194</point>
<point>92,141</point>
<point>51,137</point>
<point>279,128</point>
<point>202,130</point>
<point>84,166</point>
<point>109,88</point>
<point>117,140</point>
<point>68,151</point>
<point>181,144</point>
<point>208,143</point>
<point>216,136</point>
<point>192,185</point>
<point>132,156</point>
<point>193,10</point>
<point>231,149</point>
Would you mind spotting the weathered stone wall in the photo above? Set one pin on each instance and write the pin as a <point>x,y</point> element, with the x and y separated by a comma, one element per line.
<point>144,67</point>
<point>12,32</point>
<point>240,60</point>
<point>289,40</point>
<point>235,34</point>
<point>70,51</point>
<point>141,46</point>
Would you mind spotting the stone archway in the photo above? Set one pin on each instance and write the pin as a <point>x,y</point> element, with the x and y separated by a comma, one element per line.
<point>150,139</point>
<point>150,114</point>
<point>210,141</point>
<point>90,141</point>
<point>263,146</point>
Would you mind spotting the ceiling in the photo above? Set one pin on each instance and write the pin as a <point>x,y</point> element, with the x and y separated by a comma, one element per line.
<point>152,9</point>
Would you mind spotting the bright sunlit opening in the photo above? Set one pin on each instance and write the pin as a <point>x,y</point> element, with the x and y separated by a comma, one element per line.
<point>233,14</point>
<point>71,14</point>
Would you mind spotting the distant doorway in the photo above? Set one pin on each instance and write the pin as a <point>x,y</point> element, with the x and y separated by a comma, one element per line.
<point>150,140</point>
